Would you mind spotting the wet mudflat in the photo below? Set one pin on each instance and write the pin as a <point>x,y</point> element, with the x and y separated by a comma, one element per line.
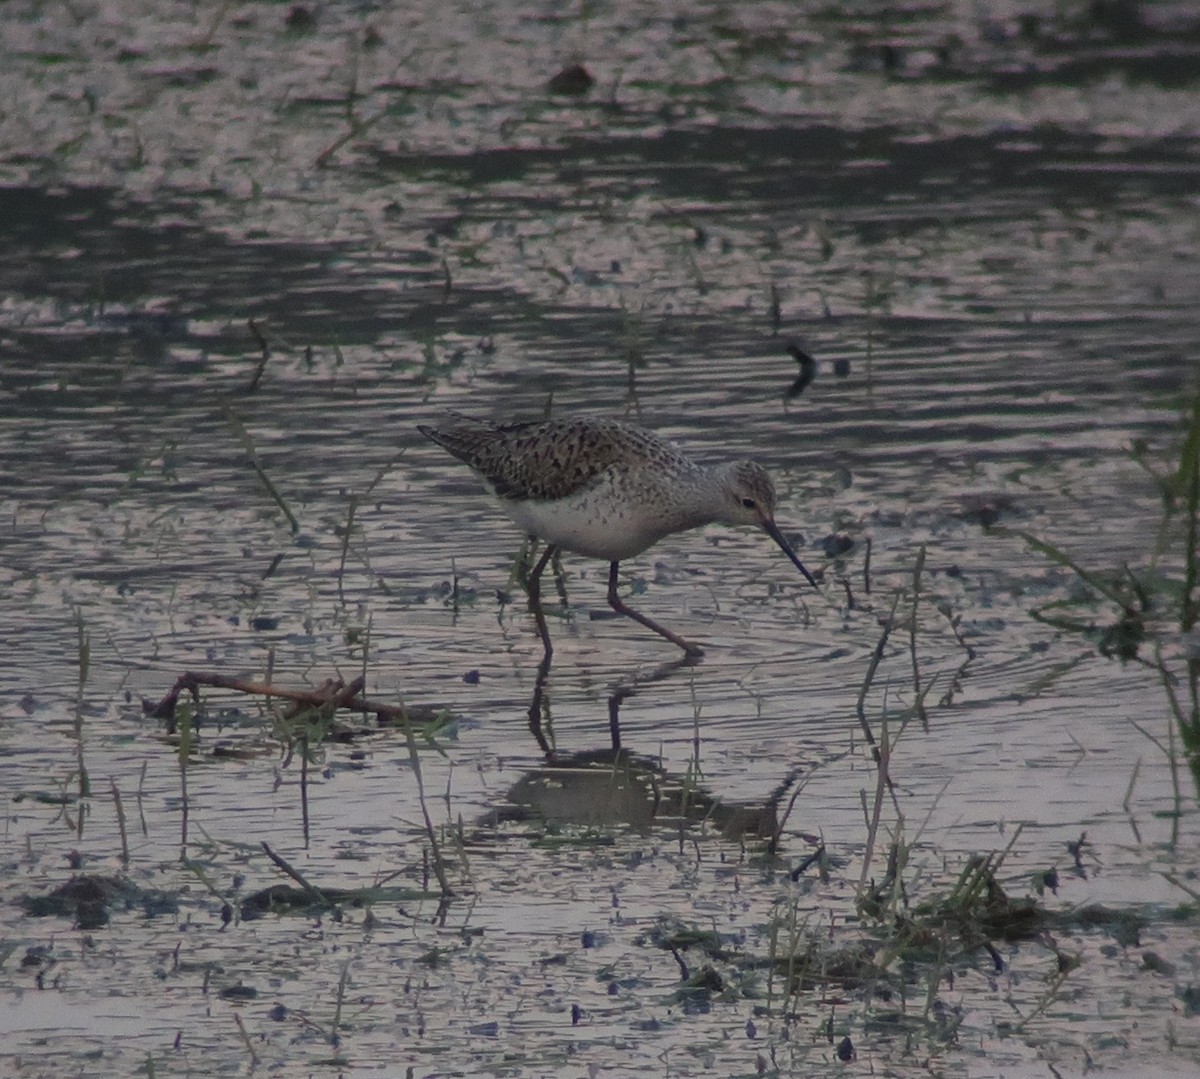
<point>245,252</point>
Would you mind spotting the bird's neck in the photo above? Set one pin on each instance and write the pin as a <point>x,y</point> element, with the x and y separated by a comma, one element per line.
<point>697,496</point>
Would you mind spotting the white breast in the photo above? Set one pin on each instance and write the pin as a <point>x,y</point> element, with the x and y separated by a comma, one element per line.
<point>598,523</point>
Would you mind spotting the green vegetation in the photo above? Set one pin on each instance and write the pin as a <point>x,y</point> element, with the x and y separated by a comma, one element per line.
<point>1154,607</point>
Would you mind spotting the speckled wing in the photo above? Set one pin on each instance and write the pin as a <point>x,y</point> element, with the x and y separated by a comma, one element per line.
<point>546,459</point>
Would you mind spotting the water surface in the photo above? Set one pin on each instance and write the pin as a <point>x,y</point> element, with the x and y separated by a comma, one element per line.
<point>983,227</point>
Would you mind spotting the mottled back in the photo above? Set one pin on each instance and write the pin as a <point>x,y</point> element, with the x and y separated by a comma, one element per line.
<point>550,459</point>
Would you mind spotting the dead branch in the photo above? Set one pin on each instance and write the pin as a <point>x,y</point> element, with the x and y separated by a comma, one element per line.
<point>333,693</point>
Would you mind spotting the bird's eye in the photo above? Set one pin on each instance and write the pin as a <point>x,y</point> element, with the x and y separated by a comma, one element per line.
<point>749,503</point>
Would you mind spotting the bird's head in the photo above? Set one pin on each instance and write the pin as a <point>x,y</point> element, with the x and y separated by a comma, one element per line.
<point>750,500</point>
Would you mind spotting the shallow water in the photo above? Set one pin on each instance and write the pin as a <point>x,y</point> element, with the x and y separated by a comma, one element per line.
<point>985,231</point>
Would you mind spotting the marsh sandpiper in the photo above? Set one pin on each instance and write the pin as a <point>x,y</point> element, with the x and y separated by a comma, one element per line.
<point>606,489</point>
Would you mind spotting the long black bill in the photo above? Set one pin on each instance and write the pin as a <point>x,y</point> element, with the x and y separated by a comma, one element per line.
<point>773,531</point>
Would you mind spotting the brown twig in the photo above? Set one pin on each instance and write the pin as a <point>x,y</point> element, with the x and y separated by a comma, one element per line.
<point>120,822</point>
<point>683,967</point>
<point>439,865</point>
<point>332,693</point>
<point>310,889</point>
<point>255,1059</point>
<point>918,696</point>
<point>265,356</point>
<point>872,667</point>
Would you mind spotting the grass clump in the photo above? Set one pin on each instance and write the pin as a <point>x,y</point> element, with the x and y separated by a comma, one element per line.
<point>1153,610</point>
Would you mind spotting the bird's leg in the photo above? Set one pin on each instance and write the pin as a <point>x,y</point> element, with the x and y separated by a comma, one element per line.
<point>560,580</point>
<point>533,585</point>
<point>539,711</point>
<point>618,605</point>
